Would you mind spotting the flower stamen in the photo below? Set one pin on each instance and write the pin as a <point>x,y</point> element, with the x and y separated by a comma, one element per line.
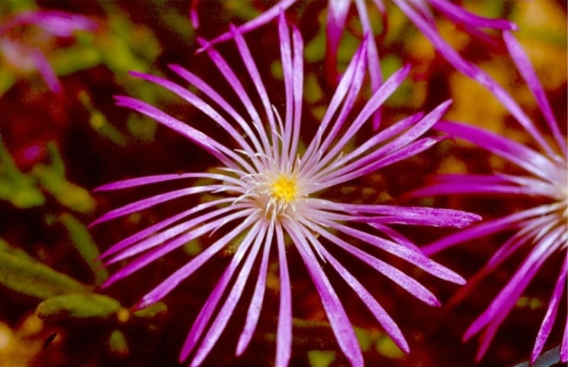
<point>284,189</point>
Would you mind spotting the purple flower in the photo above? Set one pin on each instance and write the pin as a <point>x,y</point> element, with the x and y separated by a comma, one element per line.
<point>418,11</point>
<point>25,54</point>
<point>270,200</point>
<point>543,227</point>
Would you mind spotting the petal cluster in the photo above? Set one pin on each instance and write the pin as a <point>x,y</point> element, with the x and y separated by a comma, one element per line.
<point>542,228</point>
<point>418,11</point>
<point>267,198</point>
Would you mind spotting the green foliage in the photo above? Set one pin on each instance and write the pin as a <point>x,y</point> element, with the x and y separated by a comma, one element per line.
<point>12,6</point>
<point>126,46</point>
<point>386,347</point>
<point>84,245</point>
<point>142,127</point>
<point>320,358</point>
<point>52,179</point>
<point>16,187</point>
<point>80,56</point>
<point>6,248</point>
<point>34,279</point>
<point>25,190</point>
<point>77,306</point>
<point>7,79</point>
<point>118,344</point>
<point>151,311</point>
<point>99,122</point>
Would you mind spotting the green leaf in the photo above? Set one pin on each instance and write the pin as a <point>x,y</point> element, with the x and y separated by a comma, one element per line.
<point>364,337</point>
<point>6,248</point>
<point>321,358</point>
<point>77,306</point>
<point>66,193</point>
<point>85,245</point>
<point>7,80</point>
<point>386,346</point>
<point>34,279</point>
<point>152,310</point>
<point>117,344</point>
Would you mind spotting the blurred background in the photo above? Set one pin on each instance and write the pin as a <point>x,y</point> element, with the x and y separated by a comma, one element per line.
<point>61,136</point>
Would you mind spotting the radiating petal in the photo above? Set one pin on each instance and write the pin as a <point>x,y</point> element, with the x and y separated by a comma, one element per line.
<point>510,293</point>
<point>551,312</point>
<point>335,312</point>
<point>529,75</point>
<point>253,312</point>
<point>380,314</point>
<point>284,330</point>
<point>484,229</point>
<point>151,201</point>
<point>232,299</point>
<point>257,22</point>
<point>196,136</point>
<point>460,15</point>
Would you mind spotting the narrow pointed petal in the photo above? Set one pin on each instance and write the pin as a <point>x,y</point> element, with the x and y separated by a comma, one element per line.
<point>380,314</point>
<point>510,293</point>
<point>529,75</point>
<point>257,22</point>
<point>210,305</point>
<point>153,229</point>
<point>284,330</point>
<point>230,303</point>
<point>524,157</point>
<point>460,15</point>
<point>403,280</point>
<point>172,281</point>
<point>473,71</point>
<point>151,201</point>
<point>141,181</point>
<point>46,71</point>
<point>253,312</point>
<point>551,312</point>
<point>414,257</point>
<point>338,319</point>
<point>484,229</point>
<point>196,136</point>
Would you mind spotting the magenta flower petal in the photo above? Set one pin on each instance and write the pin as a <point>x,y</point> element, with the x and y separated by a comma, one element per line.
<point>284,330</point>
<point>529,75</point>
<point>336,313</point>
<point>207,311</point>
<point>551,313</point>
<point>380,314</point>
<point>253,313</point>
<point>259,21</point>
<point>194,135</point>
<point>154,200</point>
<point>462,16</point>
<point>46,71</point>
<point>524,157</point>
<point>224,314</point>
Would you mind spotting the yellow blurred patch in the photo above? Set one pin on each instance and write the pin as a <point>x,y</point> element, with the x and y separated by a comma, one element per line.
<point>543,34</point>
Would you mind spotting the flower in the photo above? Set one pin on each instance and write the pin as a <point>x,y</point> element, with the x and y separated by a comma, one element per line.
<point>270,199</point>
<point>418,11</point>
<point>543,227</point>
<point>24,51</point>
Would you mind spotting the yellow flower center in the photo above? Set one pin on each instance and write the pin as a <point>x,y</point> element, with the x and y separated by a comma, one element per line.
<point>284,189</point>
